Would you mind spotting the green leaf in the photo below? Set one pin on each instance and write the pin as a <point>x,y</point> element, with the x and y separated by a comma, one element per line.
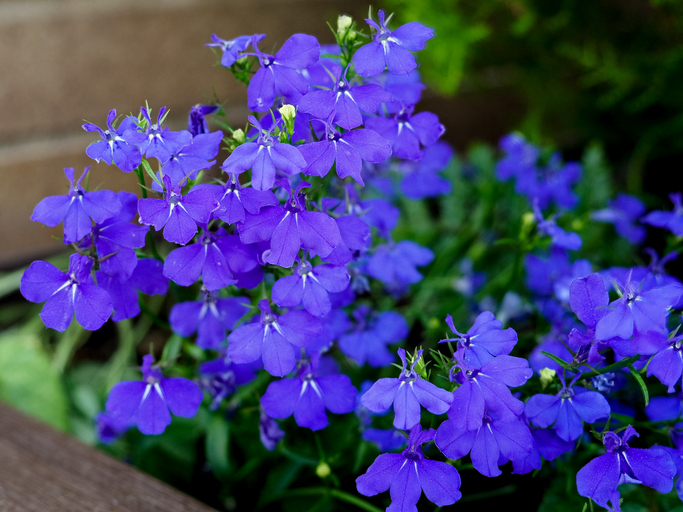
<point>28,380</point>
<point>172,348</point>
<point>559,361</point>
<point>217,445</point>
<point>641,383</point>
<point>151,173</point>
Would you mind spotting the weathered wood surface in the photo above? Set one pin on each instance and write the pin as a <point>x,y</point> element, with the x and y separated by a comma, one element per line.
<point>43,470</point>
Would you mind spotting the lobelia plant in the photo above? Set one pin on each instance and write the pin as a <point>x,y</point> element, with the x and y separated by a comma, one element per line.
<point>290,276</point>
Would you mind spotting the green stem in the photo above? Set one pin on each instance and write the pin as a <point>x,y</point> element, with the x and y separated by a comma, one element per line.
<point>141,178</point>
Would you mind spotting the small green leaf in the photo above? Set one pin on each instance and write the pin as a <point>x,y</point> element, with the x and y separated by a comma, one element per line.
<point>641,383</point>
<point>151,173</point>
<point>559,361</point>
<point>172,348</point>
<point>217,445</point>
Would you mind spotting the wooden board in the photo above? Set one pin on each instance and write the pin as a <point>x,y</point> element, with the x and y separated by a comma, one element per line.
<point>44,470</point>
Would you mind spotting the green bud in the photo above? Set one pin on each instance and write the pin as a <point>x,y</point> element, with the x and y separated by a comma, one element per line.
<point>344,23</point>
<point>323,470</point>
<point>433,323</point>
<point>239,136</point>
<point>528,224</point>
<point>288,113</point>
<point>420,366</point>
<point>547,376</point>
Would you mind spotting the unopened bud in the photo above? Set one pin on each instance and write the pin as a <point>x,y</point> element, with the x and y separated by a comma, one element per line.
<point>239,136</point>
<point>344,22</point>
<point>323,470</point>
<point>547,376</point>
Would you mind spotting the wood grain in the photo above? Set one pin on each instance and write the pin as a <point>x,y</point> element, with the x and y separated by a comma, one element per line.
<point>44,470</point>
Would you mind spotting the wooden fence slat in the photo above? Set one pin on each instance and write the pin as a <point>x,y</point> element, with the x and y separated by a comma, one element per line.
<point>42,470</point>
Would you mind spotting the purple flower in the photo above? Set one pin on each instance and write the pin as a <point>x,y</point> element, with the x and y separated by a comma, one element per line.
<point>623,212</point>
<point>345,101</point>
<point>147,277</point>
<point>407,393</point>
<point>638,312</point>
<point>598,480</point>
<point>307,395</point>
<point>279,74</point>
<point>290,228</point>
<point>490,444</point>
<point>270,432</point>
<point>422,177</point>
<point>395,264</point>
<point>109,428</point>
<point>368,341</point>
<point>157,142</point>
<point>520,157</point>
<point>67,293</point>
<point>310,285</point>
<point>147,402</point>
<point>485,388</point>
<point>273,339</point>
<point>234,200</point>
<point>210,318</point>
<point>187,161</point>
<point>558,236</point>
<point>232,48</point>
<point>667,364</point>
<point>220,378</point>
<point>264,157</point>
<point>178,215</point>
<point>485,340</point>
<point>347,150</point>
<point>215,256</point>
<point>408,473</point>
<point>115,145</point>
<point>567,410</point>
<point>77,208</point>
<point>673,221</point>
<point>196,120</point>
<point>117,238</point>
<point>391,49</point>
<point>406,132</point>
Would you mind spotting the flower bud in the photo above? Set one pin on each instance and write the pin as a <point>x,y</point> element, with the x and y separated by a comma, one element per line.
<point>323,470</point>
<point>239,136</point>
<point>547,376</point>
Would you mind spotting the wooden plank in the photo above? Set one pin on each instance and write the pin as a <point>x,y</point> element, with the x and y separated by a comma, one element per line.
<point>46,470</point>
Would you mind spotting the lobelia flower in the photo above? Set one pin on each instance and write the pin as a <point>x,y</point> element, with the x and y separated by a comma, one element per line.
<point>367,342</point>
<point>318,386</point>
<point>270,432</point>
<point>485,340</point>
<point>176,214</point>
<point>217,257</point>
<point>409,473</point>
<point>391,49</point>
<point>559,237</point>
<point>551,183</point>
<point>407,393</point>
<point>347,150</point>
<point>568,410</point>
<point>220,378</point>
<point>493,442</point>
<point>115,146</point>
<point>290,228</point>
<point>673,221</point>
<point>147,277</point>
<point>116,239</point>
<point>157,142</point>
<point>599,479</point>
<point>109,428</point>
<point>279,74</point>
<point>209,317</point>
<point>67,293</point>
<point>520,157</point>
<point>639,314</point>
<point>147,402</point>
<point>264,157</point>
<point>232,48</point>
<point>667,363</point>
<point>395,264</point>
<point>624,212</point>
<point>310,286</point>
<point>187,161</point>
<point>406,132</point>
<point>356,238</point>
<point>77,208</point>
<point>273,339</point>
<point>234,200</point>
<point>422,177</point>
<point>196,120</point>
<point>486,387</point>
<point>344,100</point>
